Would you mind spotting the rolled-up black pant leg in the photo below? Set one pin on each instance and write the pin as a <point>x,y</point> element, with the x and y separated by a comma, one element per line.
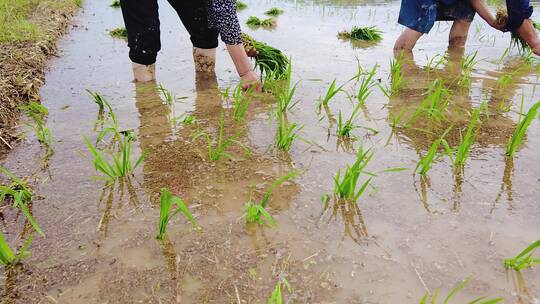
<point>141,18</point>
<point>194,16</point>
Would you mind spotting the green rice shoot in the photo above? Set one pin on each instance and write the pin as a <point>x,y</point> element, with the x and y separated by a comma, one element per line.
<point>274,12</point>
<point>432,298</point>
<point>521,129</point>
<point>255,212</point>
<point>277,294</point>
<point>166,213</point>
<point>119,33</point>
<point>7,254</point>
<point>461,153</point>
<point>346,185</point>
<point>524,259</point>
<point>115,165</point>
<point>371,34</point>
<point>257,22</point>
<point>425,163</point>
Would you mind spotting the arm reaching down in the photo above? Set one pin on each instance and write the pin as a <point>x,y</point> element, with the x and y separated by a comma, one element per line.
<point>222,16</point>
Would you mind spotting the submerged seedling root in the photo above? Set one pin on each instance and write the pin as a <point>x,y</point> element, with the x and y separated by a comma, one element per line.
<point>119,33</point>
<point>271,61</point>
<point>371,34</point>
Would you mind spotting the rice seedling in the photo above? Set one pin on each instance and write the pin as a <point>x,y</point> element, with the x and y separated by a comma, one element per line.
<point>432,155</point>
<point>271,61</point>
<point>115,4</point>
<point>285,91</point>
<point>395,120</point>
<point>371,34</point>
<point>99,99</point>
<point>256,22</point>
<point>37,113</point>
<point>218,149</point>
<point>461,153</point>
<point>255,212</point>
<point>277,294</point>
<point>524,259</point>
<point>434,105</point>
<point>505,80</point>
<point>122,165</point>
<point>274,11</point>
<point>8,256</point>
<point>19,195</point>
<point>240,5</point>
<point>119,33</point>
<point>241,102</point>
<point>332,91</point>
<point>432,298</point>
<point>345,187</point>
<point>467,65</point>
<point>286,132</point>
<point>367,83</point>
<point>521,129</point>
<point>396,76</point>
<point>166,213</point>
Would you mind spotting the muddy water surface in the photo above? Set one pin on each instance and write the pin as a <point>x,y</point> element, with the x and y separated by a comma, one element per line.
<point>405,237</point>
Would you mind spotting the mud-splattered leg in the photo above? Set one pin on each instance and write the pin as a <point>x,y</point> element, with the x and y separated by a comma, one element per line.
<point>459,33</point>
<point>205,60</point>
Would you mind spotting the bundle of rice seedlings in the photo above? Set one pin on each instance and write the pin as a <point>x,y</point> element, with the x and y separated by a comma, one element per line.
<point>268,59</point>
<point>119,33</point>
<point>240,5</point>
<point>115,4</point>
<point>370,33</point>
<point>517,41</point>
<point>274,11</point>
<point>256,22</point>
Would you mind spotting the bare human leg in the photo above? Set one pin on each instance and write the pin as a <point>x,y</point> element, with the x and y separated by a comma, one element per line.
<point>144,73</point>
<point>458,34</point>
<point>407,40</point>
<point>205,59</point>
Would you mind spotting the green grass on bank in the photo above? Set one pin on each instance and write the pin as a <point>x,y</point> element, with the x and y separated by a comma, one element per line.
<point>15,23</point>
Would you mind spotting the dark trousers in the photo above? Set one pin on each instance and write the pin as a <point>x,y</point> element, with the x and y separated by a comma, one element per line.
<point>142,23</point>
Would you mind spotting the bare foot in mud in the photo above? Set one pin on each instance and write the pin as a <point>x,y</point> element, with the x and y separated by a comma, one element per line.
<point>144,73</point>
<point>205,60</point>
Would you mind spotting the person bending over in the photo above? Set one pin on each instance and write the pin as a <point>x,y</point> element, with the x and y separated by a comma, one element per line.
<point>205,20</point>
<point>519,12</point>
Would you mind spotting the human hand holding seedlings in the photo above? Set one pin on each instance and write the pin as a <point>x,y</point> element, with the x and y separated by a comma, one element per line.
<point>528,33</point>
<point>482,9</point>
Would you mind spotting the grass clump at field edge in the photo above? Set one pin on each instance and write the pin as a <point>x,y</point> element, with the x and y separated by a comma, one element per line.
<point>16,22</point>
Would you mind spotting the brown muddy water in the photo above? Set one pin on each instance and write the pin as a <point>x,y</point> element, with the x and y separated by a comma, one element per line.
<point>406,237</point>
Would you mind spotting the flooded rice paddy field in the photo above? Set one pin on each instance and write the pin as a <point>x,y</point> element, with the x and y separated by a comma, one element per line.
<point>406,236</point>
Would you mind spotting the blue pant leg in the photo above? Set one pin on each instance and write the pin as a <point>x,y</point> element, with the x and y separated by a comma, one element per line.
<point>518,11</point>
<point>418,15</point>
